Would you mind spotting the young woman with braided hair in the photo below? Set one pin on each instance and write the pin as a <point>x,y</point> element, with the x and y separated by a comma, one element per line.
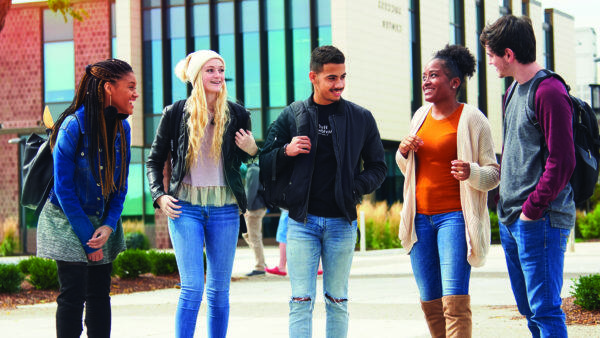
<point>80,225</point>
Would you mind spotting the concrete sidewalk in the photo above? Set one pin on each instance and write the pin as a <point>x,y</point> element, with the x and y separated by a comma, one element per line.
<point>383,301</point>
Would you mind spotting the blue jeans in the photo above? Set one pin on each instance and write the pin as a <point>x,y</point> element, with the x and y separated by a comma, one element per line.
<point>332,240</point>
<point>535,255</point>
<point>439,257</point>
<point>281,236</point>
<point>217,228</point>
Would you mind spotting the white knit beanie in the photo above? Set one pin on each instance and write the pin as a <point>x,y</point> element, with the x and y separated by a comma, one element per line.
<point>188,69</point>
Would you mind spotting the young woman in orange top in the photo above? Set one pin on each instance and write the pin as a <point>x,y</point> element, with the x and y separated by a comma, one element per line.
<point>449,165</point>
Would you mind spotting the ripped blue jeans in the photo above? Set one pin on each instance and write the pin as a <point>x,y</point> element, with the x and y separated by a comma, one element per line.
<point>332,240</point>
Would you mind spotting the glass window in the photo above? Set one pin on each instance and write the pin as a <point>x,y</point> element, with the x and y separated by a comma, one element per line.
<point>55,27</point>
<point>276,54</point>
<point>149,203</point>
<point>300,14</point>
<point>323,13</point>
<point>274,113</point>
<point>201,26</point>
<point>456,22</point>
<point>150,126</point>
<point>113,30</point>
<point>301,48</point>
<point>251,43</point>
<point>153,63</point>
<point>59,62</point>
<point>178,50</point>
<point>225,31</point>
<point>275,14</point>
<point>302,85</point>
<point>152,70</point>
<point>256,118</point>
<point>133,205</point>
<point>59,71</point>
<point>324,22</point>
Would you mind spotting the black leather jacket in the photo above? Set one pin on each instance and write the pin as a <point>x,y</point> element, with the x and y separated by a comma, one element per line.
<point>356,141</point>
<point>172,138</point>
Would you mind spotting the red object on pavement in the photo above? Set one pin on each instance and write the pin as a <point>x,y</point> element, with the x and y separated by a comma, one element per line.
<point>276,271</point>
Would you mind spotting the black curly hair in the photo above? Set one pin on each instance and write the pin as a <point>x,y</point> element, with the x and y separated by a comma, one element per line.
<point>458,61</point>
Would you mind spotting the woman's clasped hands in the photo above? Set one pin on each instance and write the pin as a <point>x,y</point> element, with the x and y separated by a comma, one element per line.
<point>410,142</point>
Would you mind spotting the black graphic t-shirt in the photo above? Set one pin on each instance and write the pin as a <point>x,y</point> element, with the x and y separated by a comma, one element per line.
<point>322,197</point>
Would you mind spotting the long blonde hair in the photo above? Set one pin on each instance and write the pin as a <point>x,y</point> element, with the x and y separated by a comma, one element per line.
<point>197,107</point>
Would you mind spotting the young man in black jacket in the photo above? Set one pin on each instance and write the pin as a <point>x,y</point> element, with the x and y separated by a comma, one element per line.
<point>320,144</point>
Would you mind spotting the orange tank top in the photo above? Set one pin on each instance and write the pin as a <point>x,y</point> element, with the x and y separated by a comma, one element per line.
<point>437,191</point>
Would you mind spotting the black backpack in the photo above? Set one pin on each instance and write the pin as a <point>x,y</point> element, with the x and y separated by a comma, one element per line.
<point>37,173</point>
<point>275,185</point>
<point>585,136</point>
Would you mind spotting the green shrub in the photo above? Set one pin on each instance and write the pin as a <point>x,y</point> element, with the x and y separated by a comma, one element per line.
<point>137,240</point>
<point>24,264</point>
<point>595,199</point>
<point>589,225</point>
<point>586,290</point>
<point>43,274</point>
<point>495,227</point>
<point>163,263</point>
<point>10,278</point>
<point>131,263</point>
<point>9,245</point>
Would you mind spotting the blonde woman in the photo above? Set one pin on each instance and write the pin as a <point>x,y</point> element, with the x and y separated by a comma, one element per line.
<point>208,140</point>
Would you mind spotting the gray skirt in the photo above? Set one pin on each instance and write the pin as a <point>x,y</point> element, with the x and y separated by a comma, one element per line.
<point>57,240</point>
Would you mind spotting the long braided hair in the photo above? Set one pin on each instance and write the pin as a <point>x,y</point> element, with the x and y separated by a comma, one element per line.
<point>90,94</point>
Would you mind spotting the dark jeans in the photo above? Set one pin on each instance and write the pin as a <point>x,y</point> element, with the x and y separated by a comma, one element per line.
<point>83,284</point>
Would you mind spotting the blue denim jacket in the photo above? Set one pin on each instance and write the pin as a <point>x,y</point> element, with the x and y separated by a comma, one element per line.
<point>75,189</point>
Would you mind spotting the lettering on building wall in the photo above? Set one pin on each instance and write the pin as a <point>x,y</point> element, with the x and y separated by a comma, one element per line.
<point>390,8</point>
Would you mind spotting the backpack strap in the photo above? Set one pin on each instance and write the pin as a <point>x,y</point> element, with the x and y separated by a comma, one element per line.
<point>536,84</point>
<point>296,107</point>
<point>511,91</point>
<point>178,115</point>
<point>533,90</point>
<point>50,185</point>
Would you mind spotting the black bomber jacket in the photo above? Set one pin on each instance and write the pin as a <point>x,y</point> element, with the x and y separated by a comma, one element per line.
<point>358,149</point>
<point>172,138</point>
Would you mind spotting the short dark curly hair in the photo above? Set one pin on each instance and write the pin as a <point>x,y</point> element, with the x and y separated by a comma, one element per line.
<point>511,32</point>
<point>458,61</point>
<point>323,55</point>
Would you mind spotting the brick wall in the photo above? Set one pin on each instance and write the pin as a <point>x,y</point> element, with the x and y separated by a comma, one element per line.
<point>91,37</point>
<point>20,95</point>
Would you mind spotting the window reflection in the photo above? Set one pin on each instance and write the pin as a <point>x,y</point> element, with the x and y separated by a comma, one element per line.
<point>252,85</point>
<point>153,78</point>
<point>276,53</point>
<point>301,47</point>
<point>178,51</point>
<point>225,30</point>
<point>59,62</point>
<point>201,26</point>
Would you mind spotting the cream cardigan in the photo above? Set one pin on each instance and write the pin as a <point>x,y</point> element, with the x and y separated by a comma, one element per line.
<point>474,145</point>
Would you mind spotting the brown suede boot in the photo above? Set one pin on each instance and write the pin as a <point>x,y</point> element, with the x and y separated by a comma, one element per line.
<point>434,315</point>
<point>457,310</point>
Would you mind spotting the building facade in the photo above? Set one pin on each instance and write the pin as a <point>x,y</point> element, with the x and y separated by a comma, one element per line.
<point>266,45</point>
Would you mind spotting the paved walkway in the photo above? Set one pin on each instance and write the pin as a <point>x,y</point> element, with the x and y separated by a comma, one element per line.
<point>383,302</point>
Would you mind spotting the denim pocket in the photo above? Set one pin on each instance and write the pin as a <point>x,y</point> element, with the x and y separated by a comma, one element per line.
<point>564,238</point>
